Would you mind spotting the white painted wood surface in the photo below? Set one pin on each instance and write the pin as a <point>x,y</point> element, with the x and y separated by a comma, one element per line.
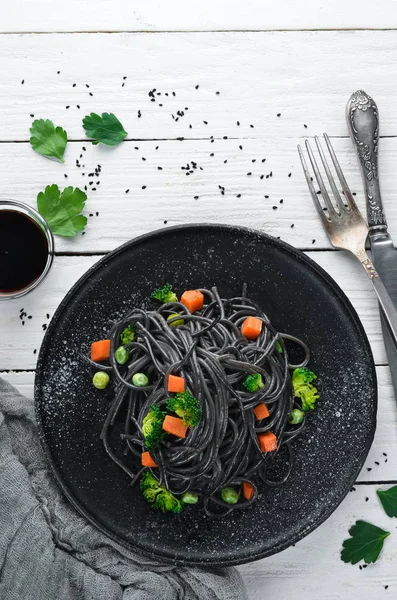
<point>177,15</point>
<point>306,76</point>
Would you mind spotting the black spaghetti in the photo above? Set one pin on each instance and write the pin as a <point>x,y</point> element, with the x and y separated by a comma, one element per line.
<point>204,391</point>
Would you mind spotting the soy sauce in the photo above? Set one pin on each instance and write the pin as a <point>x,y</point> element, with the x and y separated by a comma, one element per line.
<point>23,251</point>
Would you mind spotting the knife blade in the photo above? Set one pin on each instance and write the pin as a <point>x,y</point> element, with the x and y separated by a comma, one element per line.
<point>363,122</point>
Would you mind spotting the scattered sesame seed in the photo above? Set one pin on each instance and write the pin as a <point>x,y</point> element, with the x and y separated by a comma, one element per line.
<point>238,123</point>
<point>289,174</point>
<point>217,93</point>
<point>205,122</point>
<point>160,168</point>
<point>369,469</point>
<point>32,115</point>
<point>35,351</point>
<point>68,106</point>
<point>304,125</point>
<point>165,222</point>
<point>144,187</point>
<point>196,197</point>
<point>281,201</point>
<point>97,214</point>
<point>274,207</point>
<point>126,191</point>
<point>196,87</point>
<point>366,499</point>
<point>91,94</point>
<point>23,81</point>
<point>313,241</point>
<point>279,114</point>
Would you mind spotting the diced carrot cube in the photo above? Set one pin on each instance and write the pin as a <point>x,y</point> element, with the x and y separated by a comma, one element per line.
<point>267,441</point>
<point>248,490</point>
<point>175,426</point>
<point>261,411</point>
<point>251,328</point>
<point>176,384</point>
<point>147,460</point>
<point>100,350</point>
<point>193,300</point>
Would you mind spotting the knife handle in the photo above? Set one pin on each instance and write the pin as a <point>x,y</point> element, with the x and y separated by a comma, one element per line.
<point>363,123</point>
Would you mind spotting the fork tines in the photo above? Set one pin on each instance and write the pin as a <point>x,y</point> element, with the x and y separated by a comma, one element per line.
<point>333,209</point>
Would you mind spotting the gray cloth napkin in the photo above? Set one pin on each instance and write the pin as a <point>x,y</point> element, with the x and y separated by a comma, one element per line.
<point>49,552</point>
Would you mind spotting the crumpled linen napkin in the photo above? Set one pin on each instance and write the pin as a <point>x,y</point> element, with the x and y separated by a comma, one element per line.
<point>49,552</point>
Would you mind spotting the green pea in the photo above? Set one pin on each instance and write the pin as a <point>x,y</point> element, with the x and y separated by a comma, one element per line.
<point>121,355</point>
<point>229,495</point>
<point>189,498</point>
<point>100,380</point>
<point>140,379</point>
<point>296,416</point>
<point>175,323</point>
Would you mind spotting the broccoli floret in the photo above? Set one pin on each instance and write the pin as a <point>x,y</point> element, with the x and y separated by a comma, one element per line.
<point>253,383</point>
<point>185,406</point>
<point>158,496</point>
<point>128,334</point>
<point>303,388</point>
<point>152,426</point>
<point>165,294</point>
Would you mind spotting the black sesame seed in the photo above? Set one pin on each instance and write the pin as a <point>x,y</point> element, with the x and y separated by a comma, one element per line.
<point>240,147</point>
<point>261,177</point>
<point>86,85</point>
<point>196,87</point>
<point>304,125</point>
<point>376,462</point>
<point>78,105</point>
<point>279,114</point>
<point>30,317</point>
<point>157,147</point>
<point>384,453</point>
<point>369,469</point>
<point>205,122</point>
<point>125,77</point>
<point>32,115</point>
<point>274,207</point>
<point>196,197</point>
<point>35,351</point>
<point>225,137</point>
<point>144,187</point>
<point>238,123</point>
<point>97,214</point>
<point>143,158</point>
<point>74,85</point>
<point>293,225</point>
<point>84,148</point>
<point>266,196</point>
<point>65,175</point>
<point>217,93</point>
<point>313,241</point>
<point>91,94</point>
<point>251,126</point>
<point>23,322</point>
<point>289,174</point>
<point>366,499</point>
<point>126,191</point>
<point>23,81</point>
<point>58,72</point>
<point>212,154</point>
<point>165,222</point>
<point>249,173</point>
<point>48,315</point>
<point>238,196</point>
<point>160,168</point>
<point>68,106</point>
<point>281,201</point>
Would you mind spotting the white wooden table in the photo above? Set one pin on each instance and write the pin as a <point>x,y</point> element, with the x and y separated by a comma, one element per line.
<point>283,70</point>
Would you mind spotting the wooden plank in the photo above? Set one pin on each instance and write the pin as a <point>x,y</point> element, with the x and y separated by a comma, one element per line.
<point>306,77</point>
<point>154,15</point>
<point>172,197</point>
<point>385,438</point>
<point>313,568</point>
<point>67,269</point>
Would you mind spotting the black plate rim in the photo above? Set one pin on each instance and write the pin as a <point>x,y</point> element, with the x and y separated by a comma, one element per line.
<point>163,555</point>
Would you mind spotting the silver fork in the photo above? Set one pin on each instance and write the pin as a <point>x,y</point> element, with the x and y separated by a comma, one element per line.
<point>344,223</point>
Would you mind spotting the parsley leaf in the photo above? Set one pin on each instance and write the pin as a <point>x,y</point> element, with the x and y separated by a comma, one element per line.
<point>389,500</point>
<point>48,140</point>
<point>62,210</point>
<point>366,542</point>
<point>106,129</point>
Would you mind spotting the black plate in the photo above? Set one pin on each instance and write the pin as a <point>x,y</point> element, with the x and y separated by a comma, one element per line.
<point>300,298</point>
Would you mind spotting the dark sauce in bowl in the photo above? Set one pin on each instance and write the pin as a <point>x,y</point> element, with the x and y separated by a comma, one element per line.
<point>23,251</point>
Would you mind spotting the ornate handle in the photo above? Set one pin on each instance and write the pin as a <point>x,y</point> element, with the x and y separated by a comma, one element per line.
<point>363,122</point>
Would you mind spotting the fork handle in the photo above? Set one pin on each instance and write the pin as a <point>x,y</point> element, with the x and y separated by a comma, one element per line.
<point>385,302</point>
<point>363,123</point>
